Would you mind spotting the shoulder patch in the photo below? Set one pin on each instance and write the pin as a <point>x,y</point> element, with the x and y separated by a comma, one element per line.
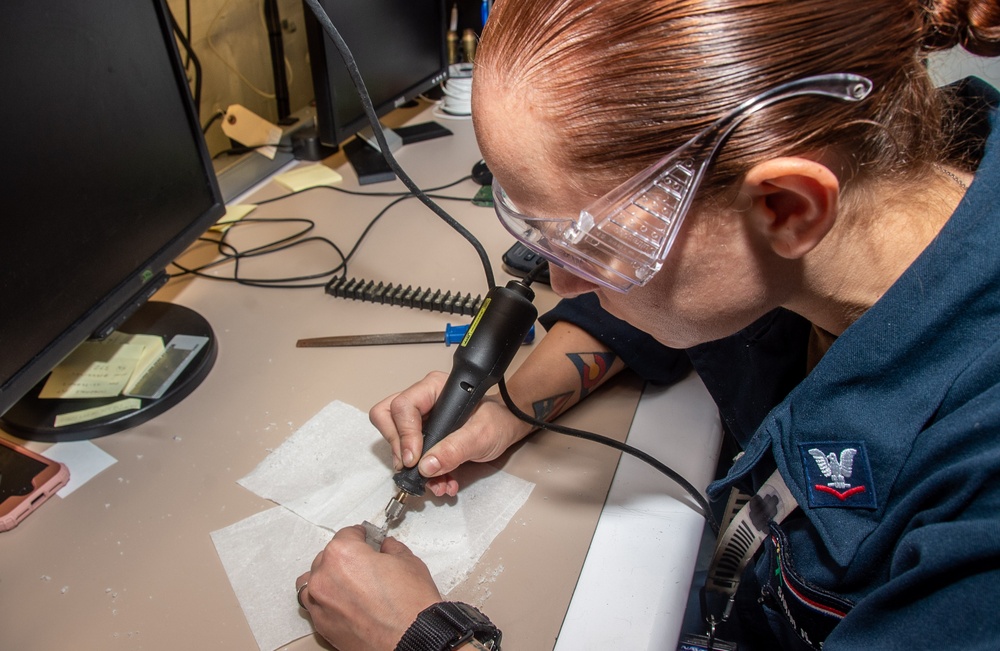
<point>838,475</point>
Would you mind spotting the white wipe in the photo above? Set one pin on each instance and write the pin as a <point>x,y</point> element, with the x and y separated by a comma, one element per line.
<point>262,556</point>
<point>335,471</point>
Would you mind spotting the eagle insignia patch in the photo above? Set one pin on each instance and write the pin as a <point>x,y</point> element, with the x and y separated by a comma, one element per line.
<point>838,475</point>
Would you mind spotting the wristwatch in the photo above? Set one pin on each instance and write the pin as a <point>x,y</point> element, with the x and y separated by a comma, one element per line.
<point>448,625</point>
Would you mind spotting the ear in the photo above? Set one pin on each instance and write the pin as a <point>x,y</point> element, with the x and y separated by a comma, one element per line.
<point>793,203</point>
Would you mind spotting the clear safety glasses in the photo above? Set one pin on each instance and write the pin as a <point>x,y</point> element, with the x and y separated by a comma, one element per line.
<point>621,240</point>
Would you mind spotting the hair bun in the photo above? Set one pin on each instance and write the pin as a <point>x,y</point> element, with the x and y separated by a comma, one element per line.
<point>973,24</point>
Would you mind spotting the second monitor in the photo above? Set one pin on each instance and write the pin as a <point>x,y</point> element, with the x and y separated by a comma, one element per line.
<point>401,52</point>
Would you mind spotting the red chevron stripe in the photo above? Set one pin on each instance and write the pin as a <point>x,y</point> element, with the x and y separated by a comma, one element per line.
<point>841,496</point>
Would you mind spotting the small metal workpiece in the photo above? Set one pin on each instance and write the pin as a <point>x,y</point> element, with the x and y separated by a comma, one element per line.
<point>374,534</point>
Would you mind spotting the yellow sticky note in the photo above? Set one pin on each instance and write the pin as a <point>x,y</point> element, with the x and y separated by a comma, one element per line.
<point>152,348</point>
<point>103,369</point>
<point>86,415</point>
<point>234,213</point>
<point>308,176</point>
<point>94,370</point>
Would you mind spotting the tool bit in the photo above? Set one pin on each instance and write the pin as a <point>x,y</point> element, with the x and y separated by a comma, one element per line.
<point>503,323</point>
<point>375,532</point>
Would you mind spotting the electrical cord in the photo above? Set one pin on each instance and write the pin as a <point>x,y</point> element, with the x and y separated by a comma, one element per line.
<point>360,193</point>
<point>187,31</point>
<point>186,44</point>
<point>230,254</point>
<point>242,149</point>
<point>225,61</point>
<point>366,102</point>
<point>673,475</point>
<point>218,115</point>
<point>693,492</point>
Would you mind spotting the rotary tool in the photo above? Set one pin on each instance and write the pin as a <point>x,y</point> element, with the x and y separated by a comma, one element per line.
<point>504,320</point>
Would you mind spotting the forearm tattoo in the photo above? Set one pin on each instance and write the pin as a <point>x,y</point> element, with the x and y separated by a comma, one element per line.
<point>593,368</point>
<point>546,408</point>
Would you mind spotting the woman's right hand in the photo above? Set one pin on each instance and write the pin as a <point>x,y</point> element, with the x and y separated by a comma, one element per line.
<point>490,430</point>
<point>561,368</point>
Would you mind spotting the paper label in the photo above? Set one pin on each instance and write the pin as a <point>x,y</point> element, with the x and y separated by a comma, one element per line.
<point>249,129</point>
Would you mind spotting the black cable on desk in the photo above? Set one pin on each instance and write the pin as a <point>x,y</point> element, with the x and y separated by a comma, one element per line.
<point>363,193</point>
<point>359,84</point>
<point>645,457</point>
<point>246,149</point>
<point>193,57</point>
<point>366,103</point>
<point>232,255</point>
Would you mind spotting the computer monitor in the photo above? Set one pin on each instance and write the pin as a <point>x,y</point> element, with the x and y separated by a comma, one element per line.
<point>106,179</point>
<point>401,51</point>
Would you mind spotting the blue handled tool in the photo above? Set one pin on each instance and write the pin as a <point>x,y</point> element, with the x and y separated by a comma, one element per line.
<point>451,335</point>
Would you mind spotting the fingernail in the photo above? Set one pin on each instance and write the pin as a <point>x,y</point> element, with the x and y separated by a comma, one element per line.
<point>407,458</point>
<point>396,463</point>
<point>429,466</point>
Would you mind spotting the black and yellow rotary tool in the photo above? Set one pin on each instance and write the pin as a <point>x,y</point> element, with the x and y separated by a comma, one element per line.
<point>492,340</point>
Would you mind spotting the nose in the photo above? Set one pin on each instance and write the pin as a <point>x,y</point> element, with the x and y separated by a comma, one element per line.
<point>568,285</point>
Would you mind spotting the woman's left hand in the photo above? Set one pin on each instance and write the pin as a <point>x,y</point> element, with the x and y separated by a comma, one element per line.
<point>363,600</point>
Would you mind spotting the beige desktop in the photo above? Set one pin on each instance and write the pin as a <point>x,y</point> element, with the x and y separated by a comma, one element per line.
<point>127,560</point>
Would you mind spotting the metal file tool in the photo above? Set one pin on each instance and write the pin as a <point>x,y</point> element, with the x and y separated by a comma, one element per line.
<point>451,335</point>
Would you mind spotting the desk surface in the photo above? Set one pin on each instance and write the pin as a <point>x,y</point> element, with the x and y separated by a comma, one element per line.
<point>127,560</point>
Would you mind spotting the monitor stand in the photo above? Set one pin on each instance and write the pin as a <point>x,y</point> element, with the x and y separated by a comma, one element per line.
<point>33,417</point>
<point>369,163</point>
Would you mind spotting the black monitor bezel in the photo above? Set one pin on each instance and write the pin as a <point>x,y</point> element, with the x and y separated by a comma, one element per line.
<point>135,288</point>
<point>322,50</point>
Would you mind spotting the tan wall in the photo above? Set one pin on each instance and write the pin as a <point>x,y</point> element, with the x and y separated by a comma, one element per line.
<point>231,42</point>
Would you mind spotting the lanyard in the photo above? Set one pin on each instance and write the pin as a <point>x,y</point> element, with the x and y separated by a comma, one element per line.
<point>748,519</point>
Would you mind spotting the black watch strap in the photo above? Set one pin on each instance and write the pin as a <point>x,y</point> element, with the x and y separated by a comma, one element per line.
<point>448,625</point>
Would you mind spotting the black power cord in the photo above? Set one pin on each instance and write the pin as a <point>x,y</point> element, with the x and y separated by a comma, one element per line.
<point>272,18</point>
<point>366,102</point>
<point>693,492</point>
<point>230,254</point>
<point>192,57</point>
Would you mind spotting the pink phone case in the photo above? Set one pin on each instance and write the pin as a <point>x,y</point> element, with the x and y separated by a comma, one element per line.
<point>26,481</point>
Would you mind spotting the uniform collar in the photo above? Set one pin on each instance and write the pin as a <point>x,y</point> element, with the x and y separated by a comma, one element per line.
<point>882,381</point>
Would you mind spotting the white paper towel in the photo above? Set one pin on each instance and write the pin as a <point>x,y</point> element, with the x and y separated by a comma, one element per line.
<point>262,556</point>
<point>335,471</point>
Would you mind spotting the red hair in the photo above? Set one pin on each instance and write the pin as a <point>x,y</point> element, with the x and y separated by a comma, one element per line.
<point>621,83</point>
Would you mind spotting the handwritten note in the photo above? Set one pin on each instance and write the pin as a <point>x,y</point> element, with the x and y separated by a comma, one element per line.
<point>103,369</point>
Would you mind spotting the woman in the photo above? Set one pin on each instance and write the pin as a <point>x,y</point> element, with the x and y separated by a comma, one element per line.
<point>834,283</point>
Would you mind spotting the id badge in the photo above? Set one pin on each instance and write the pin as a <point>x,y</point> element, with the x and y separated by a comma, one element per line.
<point>702,643</point>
